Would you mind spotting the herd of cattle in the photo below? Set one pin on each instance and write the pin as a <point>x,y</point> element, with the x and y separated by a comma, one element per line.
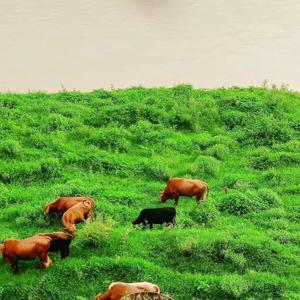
<point>77,209</point>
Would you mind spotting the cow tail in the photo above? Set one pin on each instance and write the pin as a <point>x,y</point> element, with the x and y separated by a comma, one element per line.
<point>47,209</point>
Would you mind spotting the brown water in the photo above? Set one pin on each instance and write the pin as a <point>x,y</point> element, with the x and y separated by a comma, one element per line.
<point>89,44</point>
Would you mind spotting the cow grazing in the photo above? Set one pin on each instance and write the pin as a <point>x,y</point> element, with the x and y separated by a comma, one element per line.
<point>27,249</point>
<point>117,290</point>
<point>62,204</point>
<point>60,242</point>
<point>184,187</point>
<point>77,213</point>
<point>156,216</point>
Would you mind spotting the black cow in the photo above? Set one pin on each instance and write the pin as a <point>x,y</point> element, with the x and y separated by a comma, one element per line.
<point>60,242</point>
<point>156,216</point>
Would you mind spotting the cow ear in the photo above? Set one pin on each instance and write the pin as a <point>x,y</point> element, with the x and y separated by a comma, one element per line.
<point>87,203</point>
<point>1,247</point>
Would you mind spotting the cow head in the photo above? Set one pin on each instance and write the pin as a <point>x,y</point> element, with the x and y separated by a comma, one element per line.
<point>156,288</point>
<point>162,197</point>
<point>87,203</point>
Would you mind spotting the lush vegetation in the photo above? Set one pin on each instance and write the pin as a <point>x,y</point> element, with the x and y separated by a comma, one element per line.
<point>120,147</point>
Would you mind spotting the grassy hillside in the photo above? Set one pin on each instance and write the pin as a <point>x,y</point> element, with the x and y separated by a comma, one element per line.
<point>120,147</point>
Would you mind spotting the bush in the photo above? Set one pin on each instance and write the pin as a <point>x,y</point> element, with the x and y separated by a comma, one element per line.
<point>234,286</point>
<point>96,234</point>
<point>189,247</point>
<point>147,133</point>
<point>237,260</point>
<point>181,121</point>
<point>266,132</point>
<point>72,188</point>
<point>205,214</point>
<point>269,198</point>
<point>218,151</point>
<point>55,122</point>
<point>234,119</point>
<point>263,159</point>
<point>240,203</point>
<point>3,192</point>
<point>206,166</point>
<point>50,168</point>
<point>37,140</point>
<point>154,169</point>
<point>9,149</point>
<point>111,138</point>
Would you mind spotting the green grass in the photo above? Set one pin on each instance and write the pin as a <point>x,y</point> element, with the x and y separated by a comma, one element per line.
<point>120,147</point>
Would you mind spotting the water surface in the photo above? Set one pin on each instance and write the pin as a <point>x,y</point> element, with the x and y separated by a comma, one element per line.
<point>47,45</point>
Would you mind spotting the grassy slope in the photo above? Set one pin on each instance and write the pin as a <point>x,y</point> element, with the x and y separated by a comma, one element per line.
<point>120,147</point>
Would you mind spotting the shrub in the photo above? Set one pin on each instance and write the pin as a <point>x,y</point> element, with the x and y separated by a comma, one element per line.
<point>273,177</point>
<point>183,91</point>
<point>234,286</point>
<point>9,149</point>
<point>206,213</point>
<point>237,260</point>
<point>72,188</point>
<point>267,131</point>
<point>96,234</point>
<point>154,169</point>
<point>218,151</point>
<point>189,247</point>
<point>240,203</point>
<point>112,138</point>
<point>263,159</point>
<point>147,133</point>
<point>37,141</point>
<point>55,122</point>
<point>234,119</point>
<point>100,161</point>
<point>50,168</point>
<point>3,191</point>
<point>206,166</point>
<point>181,121</point>
<point>269,198</point>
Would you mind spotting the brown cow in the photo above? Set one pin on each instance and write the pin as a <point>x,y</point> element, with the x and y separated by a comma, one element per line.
<point>184,187</point>
<point>62,204</point>
<point>27,249</point>
<point>77,213</point>
<point>117,290</point>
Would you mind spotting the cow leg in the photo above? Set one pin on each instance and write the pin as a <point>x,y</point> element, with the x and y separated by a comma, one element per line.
<point>150,225</point>
<point>14,266</point>
<point>174,222</point>
<point>199,198</point>
<point>176,200</point>
<point>64,253</point>
<point>144,225</point>
<point>45,261</point>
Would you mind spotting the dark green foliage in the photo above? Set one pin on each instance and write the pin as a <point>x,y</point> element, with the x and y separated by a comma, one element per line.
<point>269,198</point>
<point>206,166</point>
<point>9,149</point>
<point>218,151</point>
<point>112,138</point>
<point>240,203</point>
<point>121,147</point>
<point>205,214</point>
